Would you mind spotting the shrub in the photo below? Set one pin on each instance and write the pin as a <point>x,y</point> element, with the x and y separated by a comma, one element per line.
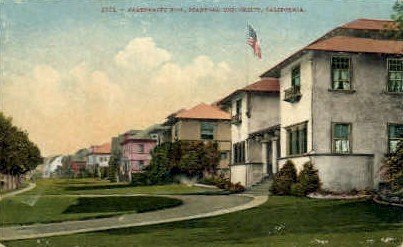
<point>182,158</point>
<point>139,179</point>
<point>297,189</point>
<point>284,179</point>
<point>392,168</point>
<point>309,178</point>
<point>236,188</point>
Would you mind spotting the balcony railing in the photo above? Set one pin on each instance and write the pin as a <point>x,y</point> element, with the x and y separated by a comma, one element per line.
<point>236,119</point>
<point>292,94</point>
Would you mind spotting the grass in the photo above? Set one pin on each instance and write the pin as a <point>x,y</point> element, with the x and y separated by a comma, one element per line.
<point>95,186</point>
<point>282,221</point>
<point>37,209</point>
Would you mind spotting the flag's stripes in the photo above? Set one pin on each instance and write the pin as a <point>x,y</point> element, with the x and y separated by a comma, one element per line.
<point>254,42</point>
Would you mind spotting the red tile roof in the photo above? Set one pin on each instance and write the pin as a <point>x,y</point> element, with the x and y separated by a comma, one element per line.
<point>353,44</point>
<point>101,149</point>
<point>343,43</point>
<point>204,111</point>
<point>268,84</point>
<point>370,24</point>
<point>264,85</point>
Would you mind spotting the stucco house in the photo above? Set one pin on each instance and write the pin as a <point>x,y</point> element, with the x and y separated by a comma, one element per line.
<point>341,104</point>
<point>136,149</point>
<point>98,156</point>
<point>254,130</point>
<point>204,123</point>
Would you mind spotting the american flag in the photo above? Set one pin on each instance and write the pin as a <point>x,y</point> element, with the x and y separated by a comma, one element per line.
<point>254,42</point>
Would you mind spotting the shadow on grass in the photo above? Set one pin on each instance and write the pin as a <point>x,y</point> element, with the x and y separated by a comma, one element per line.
<point>286,215</point>
<point>137,204</point>
<point>98,187</point>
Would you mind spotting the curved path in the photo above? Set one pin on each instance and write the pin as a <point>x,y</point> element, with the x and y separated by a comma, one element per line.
<point>19,191</point>
<point>194,207</point>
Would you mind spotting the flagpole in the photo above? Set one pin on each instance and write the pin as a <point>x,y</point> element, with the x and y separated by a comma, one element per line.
<point>247,55</point>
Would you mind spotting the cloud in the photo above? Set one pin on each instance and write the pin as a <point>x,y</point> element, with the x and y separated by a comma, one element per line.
<point>142,53</point>
<point>64,110</point>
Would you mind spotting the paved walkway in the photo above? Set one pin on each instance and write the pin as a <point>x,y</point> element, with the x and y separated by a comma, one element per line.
<point>16,192</point>
<point>194,207</point>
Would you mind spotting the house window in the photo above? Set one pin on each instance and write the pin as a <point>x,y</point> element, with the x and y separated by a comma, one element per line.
<point>341,73</point>
<point>297,139</point>
<point>341,138</point>
<point>296,77</point>
<point>395,135</point>
<point>140,148</point>
<point>238,107</point>
<point>141,164</point>
<point>395,75</point>
<point>239,152</point>
<point>223,155</point>
<point>206,131</point>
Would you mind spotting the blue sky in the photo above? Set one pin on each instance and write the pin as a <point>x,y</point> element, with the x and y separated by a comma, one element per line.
<point>74,47</point>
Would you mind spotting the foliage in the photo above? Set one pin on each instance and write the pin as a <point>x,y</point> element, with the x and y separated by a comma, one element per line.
<point>284,179</point>
<point>161,164</point>
<point>392,168</point>
<point>308,180</point>
<point>182,158</point>
<point>297,189</point>
<point>114,162</point>
<point>139,179</point>
<point>104,172</point>
<point>397,17</point>
<point>18,154</point>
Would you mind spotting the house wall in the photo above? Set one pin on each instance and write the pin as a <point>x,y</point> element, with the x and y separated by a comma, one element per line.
<point>264,111</point>
<point>339,172</point>
<point>369,109</point>
<point>132,154</point>
<point>240,132</point>
<point>189,130</point>
<point>101,159</point>
<point>301,111</point>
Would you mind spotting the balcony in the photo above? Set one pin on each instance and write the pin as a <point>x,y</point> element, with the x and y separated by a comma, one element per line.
<point>236,119</point>
<point>292,94</point>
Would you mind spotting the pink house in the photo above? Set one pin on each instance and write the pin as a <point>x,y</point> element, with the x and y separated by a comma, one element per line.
<point>136,152</point>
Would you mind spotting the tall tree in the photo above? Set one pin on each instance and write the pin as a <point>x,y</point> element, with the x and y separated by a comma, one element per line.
<point>395,31</point>
<point>18,154</point>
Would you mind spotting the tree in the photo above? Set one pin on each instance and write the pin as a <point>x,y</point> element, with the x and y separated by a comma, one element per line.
<point>392,168</point>
<point>395,31</point>
<point>114,162</point>
<point>18,154</point>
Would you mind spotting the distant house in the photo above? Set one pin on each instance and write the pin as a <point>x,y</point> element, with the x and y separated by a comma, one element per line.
<point>136,149</point>
<point>98,156</point>
<point>255,130</point>
<point>203,123</point>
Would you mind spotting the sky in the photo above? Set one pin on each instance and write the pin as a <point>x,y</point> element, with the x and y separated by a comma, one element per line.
<point>73,75</point>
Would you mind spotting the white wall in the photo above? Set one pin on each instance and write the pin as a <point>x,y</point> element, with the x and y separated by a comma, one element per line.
<point>369,109</point>
<point>294,113</point>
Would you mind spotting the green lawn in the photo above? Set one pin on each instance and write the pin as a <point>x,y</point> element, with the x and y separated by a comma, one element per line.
<point>45,209</point>
<point>282,221</point>
<point>95,186</point>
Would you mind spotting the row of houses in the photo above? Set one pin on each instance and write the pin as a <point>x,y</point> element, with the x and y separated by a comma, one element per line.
<point>337,102</point>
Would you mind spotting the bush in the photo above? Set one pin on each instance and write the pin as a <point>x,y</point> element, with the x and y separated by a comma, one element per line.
<point>284,179</point>
<point>392,168</point>
<point>182,158</point>
<point>236,188</point>
<point>297,190</point>
<point>309,179</point>
<point>139,179</point>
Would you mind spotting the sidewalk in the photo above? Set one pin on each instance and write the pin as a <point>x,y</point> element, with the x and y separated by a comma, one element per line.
<point>16,192</point>
<point>194,207</point>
